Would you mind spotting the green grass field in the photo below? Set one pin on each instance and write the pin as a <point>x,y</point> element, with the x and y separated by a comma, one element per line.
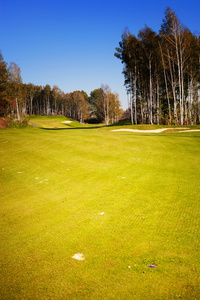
<point>124,200</point>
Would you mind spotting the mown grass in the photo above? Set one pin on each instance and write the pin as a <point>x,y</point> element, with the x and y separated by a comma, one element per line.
<point>57,122</point>
<point>55,184</point>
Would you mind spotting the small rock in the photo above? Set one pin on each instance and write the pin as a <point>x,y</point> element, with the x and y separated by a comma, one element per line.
<point>151,266</point>
<point>78,256</point>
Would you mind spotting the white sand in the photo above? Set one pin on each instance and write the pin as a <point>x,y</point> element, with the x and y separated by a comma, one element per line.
<point>156,130</point>
<point>66,122</point>
<point>192,130</point>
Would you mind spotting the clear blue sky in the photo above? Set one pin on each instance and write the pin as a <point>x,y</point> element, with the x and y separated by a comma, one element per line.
<point>72,43</point>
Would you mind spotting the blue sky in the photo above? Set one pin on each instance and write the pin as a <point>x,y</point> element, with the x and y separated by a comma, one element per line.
<point>71,44</point>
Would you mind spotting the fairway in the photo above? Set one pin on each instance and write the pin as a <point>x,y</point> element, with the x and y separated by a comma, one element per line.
<point>123,200</point>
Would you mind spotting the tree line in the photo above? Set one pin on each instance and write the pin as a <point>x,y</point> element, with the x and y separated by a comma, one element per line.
<point>18,99</point>
<point>162,73</point>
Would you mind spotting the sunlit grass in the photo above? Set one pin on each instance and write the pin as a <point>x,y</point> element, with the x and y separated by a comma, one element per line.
<point>55,185</point>
<point>57,122</point>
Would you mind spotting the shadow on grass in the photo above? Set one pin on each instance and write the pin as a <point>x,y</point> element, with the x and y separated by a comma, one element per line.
<point>69,126</point>
<point>73,128</point>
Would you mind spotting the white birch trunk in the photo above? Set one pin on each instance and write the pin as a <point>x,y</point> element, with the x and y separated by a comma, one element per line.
<point>17,106</point>
<point>179,78</point>
<point>166,87</point>
<point>141,107</point>
<point>107,111</point>
<point>173,85</point>
<point>150,94</point>
<point>190,100</point>
<point>135,96</point>
<point>158,104</point>
<point>131,98</point>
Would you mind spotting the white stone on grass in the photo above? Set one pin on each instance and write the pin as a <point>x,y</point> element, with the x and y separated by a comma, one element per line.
<point>78,256</point>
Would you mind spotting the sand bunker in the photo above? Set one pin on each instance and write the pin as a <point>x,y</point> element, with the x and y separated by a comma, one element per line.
<point>66,122</point>
<point>192,130</point>
<point>157,130</point>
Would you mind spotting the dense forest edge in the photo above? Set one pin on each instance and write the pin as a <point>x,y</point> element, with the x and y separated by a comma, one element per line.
<point>18,100</point>
<point>161,76</point>
<point>162,73</point>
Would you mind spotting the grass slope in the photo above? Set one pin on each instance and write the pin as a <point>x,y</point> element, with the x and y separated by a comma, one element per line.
<point>54,186</point>
<point>57,122</point>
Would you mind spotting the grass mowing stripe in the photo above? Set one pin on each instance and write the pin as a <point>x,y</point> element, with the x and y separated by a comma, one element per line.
<point>146,185</point>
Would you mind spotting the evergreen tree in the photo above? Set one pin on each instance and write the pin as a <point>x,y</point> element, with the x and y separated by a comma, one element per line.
<point>4,97</point>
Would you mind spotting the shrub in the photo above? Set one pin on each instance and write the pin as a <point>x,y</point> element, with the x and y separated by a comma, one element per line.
<point>19,124</point>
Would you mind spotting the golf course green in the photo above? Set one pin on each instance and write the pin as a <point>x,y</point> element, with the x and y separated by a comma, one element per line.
<point>125,203</point>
